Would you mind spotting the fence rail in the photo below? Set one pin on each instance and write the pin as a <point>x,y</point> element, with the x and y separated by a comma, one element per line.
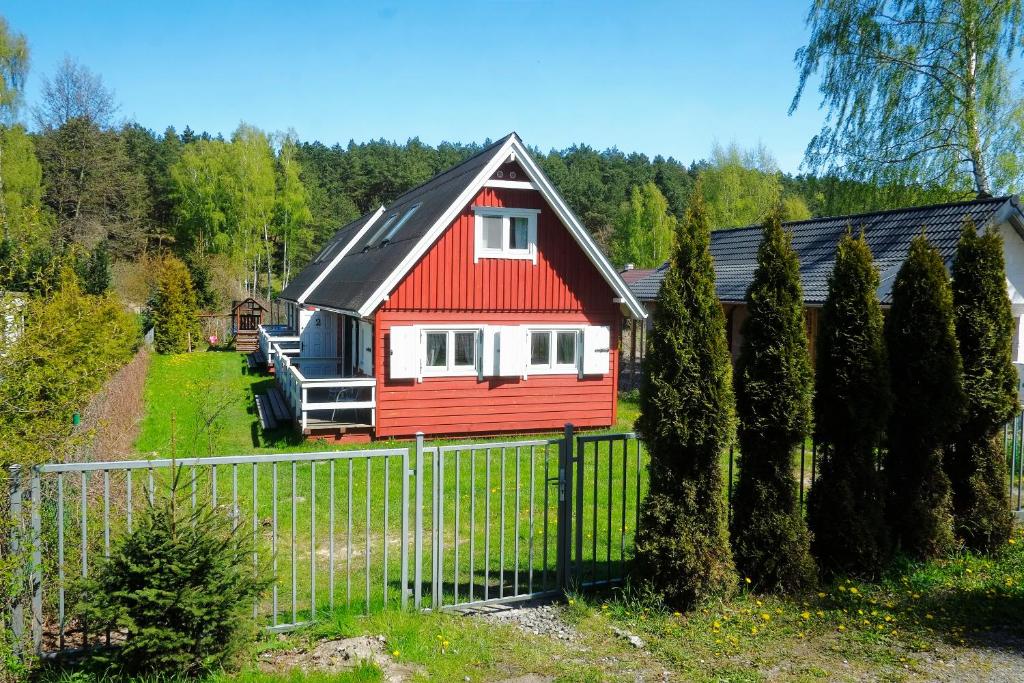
<point>426,527</point>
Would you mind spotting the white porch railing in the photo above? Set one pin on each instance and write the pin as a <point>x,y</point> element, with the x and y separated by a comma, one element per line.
<point>321,394</point>
<point>280,336</point>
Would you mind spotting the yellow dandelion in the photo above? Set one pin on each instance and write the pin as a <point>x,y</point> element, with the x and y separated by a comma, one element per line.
<point>1013,541</point>
<point>571,601</point>
<point>753,630</point>
<point>805,615</point>
<point>928,616</point>
<point>842,589</point>
<point>395,653</point>
<point>604,606</point>
<point>716,625</point>
<point>821,595</point>
<point>677,614</point>
<point>853,589</point>
<point>820,613</point>
<point>841,627</point>
<point>888,617</point>
<point>916,596</point>
<point>766,616</point>
<point>747,579</point>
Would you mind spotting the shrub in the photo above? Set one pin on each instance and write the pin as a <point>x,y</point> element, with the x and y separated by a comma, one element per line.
<point>984,330</point>
<point>851,406</point>
<point>175,314</point>
<point>686,419</point>
<point>180,586</point>
<point>925,371</point>
<point>773,402</point>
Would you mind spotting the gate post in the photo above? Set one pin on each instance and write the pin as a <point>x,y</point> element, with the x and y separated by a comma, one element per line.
<point>17,608</point>
<point>36,576</point>
<point>563,558</point>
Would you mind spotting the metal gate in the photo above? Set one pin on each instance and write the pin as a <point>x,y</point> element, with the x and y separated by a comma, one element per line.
<point>433,527</point>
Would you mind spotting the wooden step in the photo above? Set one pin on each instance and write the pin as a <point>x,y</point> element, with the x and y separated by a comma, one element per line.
<point>263,409</point>
<point>278,405</point>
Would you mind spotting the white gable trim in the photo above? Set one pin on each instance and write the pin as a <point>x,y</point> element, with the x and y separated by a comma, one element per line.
<point>340,255</point>
<point>515,149</point>
<point>511,184</point>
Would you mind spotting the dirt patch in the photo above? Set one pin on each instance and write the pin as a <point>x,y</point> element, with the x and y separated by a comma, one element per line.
<point>338,656</point>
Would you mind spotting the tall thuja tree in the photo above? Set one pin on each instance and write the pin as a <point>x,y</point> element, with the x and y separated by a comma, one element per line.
<point>686,420</point>
<point>851,407</point>
<point>928,401</point>
<point>984,329</point>
<point>175,314</point>
<point>773,401</point>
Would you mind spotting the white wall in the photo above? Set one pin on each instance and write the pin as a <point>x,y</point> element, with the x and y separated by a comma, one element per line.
<point>1013,254</point>
<point>328,328</point>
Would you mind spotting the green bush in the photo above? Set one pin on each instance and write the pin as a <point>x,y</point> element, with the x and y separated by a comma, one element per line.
<point>984,330</point>
<point>175,313</point>
<point>773,402</point>
<point>851,406</point>
<point>928,400</point>
<point>686,420</point>
<point>180,587</point>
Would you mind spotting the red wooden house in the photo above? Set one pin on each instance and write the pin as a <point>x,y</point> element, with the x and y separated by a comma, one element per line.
<point>474,303</point>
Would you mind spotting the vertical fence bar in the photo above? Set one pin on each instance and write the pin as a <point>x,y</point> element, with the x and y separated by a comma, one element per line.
<point>625,506</point>
<point>83,523</point>
<point>1020,461</point>
<point>418,538</point>
<point>533,491</point>
<point>152,487</point>
<point>405,529</point>
<point>611,498</point>
<point>348,540</point>
<point>106,513</point>
<point>384,550</point>
<point>369,476</point>
<point>458,493</point>
<point>17,609</point>
<point>330,533</point>
<point>294,542</point>
<point>472,520</point>
<point>235,516</point>
<point>593,557</point>
<point>1013,452</point>
<point>487,523</point>
<point>213,484</point>
<point>438,527</point>
<point>255,535</point>
<point>639,479</point>
<point>312,539</point>
<point>128,496</point>
<point>515,529</point>
<point>273,532</point>
<point>61,624</point>
<point>194,487</point>
<point>37,562</point>
<point>547,512</point>
<point>501,533</point>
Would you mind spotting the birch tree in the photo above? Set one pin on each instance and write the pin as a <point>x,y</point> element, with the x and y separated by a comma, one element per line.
<point>917,91</point>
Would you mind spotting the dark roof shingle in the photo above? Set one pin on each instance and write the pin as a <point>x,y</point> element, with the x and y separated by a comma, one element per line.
<point>888,233</point>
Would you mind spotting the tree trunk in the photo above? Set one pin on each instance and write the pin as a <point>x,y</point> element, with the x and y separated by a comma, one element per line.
<point>981,180</point>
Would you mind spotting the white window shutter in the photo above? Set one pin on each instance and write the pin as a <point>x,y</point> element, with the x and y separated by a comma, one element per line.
<point>489,351</point>
<point>596,350</point>
<point>405,352</point>
<point>511,351</point>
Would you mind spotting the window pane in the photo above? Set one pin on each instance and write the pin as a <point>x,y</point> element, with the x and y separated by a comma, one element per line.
<point>566,351</point>
<point>465,349</point>
<point>540,348</point>
<point>437,349</point>
<point>518,235</point>
<point>492,232</point>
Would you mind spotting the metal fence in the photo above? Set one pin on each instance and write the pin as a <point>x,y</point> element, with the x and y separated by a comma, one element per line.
<point>427,527</point>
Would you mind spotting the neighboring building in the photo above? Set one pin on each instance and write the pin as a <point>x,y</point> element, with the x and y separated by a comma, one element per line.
<point>888,233</point>
<point>474,303</point>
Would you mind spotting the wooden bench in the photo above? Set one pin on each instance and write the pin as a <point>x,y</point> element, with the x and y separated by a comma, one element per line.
<point>255,360</point>
<point>278,405</point>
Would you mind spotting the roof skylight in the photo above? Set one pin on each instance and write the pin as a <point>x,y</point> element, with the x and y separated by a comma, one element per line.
<point>398,226</point>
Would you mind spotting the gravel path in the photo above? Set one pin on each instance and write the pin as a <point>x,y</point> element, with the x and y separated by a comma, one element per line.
<point>537,618</point>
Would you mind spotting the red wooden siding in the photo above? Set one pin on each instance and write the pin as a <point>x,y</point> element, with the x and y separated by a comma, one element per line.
<point>446,286</point>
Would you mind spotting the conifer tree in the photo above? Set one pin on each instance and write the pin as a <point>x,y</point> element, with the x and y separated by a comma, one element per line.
<point>984,329</point>
<point>773,402</point>
<point>175,315</point>
<point>927,388</point>
<point>686,420</point>
<point>851,407</point>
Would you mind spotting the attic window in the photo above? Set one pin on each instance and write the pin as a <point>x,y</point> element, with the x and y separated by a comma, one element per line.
<point>398,226</point>
<point>505,233</point>
<point>381,230</point>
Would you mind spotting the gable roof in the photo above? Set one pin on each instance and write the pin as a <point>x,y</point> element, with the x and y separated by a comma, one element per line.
<point>357,273</point>
<point>631,275</point>
<point>888,233</point>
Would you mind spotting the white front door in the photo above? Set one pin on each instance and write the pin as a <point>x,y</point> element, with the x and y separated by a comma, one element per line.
<point>365,348</point>
<point>315,336</point>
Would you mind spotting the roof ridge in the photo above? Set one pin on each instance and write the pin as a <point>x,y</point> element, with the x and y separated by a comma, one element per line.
<point>905,209</point>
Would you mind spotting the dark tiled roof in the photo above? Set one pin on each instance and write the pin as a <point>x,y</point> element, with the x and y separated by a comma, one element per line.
<point>632,275</point>
<point>888,234</point>
<point>366,266</point>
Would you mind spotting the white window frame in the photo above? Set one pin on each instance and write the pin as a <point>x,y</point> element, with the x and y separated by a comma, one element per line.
<point>480,251</point>
<point>553,367</point>
<point>450,369</point>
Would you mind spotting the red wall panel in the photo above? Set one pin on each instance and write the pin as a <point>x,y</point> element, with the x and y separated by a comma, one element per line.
<point>446,285</point>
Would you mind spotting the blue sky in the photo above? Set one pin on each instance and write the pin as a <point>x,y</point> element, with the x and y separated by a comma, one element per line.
<point>660,78</point>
